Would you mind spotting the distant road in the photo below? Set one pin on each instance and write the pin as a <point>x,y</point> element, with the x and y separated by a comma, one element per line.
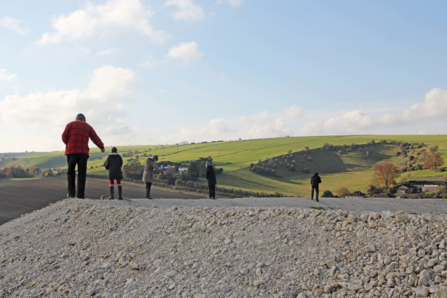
<point>20,197</point>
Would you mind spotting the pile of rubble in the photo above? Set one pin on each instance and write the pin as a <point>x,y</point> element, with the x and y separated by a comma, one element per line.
<point>80,248</point>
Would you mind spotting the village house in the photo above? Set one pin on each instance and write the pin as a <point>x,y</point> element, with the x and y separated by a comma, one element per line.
<point>408,189</point>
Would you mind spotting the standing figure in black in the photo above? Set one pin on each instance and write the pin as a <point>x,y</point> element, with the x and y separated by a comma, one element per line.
<point>315,182</point>
<point>113,163</point>
<point>211,177</point>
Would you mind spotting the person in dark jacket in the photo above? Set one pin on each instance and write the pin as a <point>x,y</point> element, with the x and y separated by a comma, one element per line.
<point>76,136</point>
<point>211,177</point>
<point>315,182</point>
<point>113,163</point>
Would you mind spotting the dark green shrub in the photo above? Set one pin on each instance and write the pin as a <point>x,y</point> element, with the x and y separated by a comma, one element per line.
<point>327,194</point>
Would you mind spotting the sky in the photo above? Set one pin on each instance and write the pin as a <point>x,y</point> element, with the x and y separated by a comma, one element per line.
<point>168,71</point>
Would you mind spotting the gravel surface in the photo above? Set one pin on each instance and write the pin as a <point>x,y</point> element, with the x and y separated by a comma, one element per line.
<point>85,248</point>
<point>436,206</point>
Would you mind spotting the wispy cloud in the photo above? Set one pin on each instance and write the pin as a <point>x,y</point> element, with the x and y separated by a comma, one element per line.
<point>103,20</point>
<point>108,52</point>
<point>186,52</point>
<point>187,10</point>
<point>13,24</point>
<point>231,2</point>
<point>6,76</point>
<point>357,121</point>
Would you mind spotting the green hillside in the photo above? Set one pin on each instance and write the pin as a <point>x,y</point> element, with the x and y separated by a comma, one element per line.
<point>350,169</point>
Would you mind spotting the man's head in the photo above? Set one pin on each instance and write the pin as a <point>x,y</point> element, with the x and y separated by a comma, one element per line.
<point>316,174</point>
<point>114,150</point>
<point>155,158</point>
<point>80,117</point>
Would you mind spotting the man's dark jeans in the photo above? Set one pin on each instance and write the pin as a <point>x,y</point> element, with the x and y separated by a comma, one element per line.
<point>317,190</point>
<point>79,159</point>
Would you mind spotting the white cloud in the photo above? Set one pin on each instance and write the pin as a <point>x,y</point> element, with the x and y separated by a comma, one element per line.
<point>211,131</point>
<point>434,106</point>
<point>350,122</point>
<point>231,2</point>
<point>422,132</point>
<point>292,112</point>
<point>223,77</point>
<point>103,20</point>
<point>261,125</point>
<point>6,76</point>
<point>13,24</point>
<point>187,10</point>
<point>161,91</point>
<point>108,52</point>
<point>260,117</point>
<point>102,102</point>
<point>269,129</point>
<point>186,52</point>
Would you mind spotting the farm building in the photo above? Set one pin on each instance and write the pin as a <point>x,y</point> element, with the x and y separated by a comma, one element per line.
<point>408,188</point>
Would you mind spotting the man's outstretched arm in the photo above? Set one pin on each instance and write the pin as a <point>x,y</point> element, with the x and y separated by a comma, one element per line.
<point>95,139</point>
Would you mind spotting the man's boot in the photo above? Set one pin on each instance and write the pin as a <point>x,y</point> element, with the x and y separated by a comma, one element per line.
<point>120,192</point>
<point>112,190</point>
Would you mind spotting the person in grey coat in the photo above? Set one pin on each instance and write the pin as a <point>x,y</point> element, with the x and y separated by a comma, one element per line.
<point>211,177</point>
<point>148,174</point>
<point>113,163</point>
<point>315,182</point>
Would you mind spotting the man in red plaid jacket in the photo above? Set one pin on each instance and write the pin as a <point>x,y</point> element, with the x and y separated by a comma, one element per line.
<point>76,136</point>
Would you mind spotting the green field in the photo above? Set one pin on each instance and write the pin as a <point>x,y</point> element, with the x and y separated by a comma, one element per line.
<point>353,170</point>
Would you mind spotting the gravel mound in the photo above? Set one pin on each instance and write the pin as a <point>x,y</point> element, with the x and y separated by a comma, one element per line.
<point>77,248</point>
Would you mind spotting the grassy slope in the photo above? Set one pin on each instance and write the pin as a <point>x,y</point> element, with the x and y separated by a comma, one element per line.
<point>233,155</point>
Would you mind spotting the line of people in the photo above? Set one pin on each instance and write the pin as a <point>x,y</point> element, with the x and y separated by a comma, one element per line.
<point>76,137</point>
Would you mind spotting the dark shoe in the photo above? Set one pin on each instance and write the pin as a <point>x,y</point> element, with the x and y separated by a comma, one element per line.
<point>120,192</point>
<point>318,200</point>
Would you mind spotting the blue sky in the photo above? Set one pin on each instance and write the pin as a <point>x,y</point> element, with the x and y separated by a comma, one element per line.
<point>150,72</point>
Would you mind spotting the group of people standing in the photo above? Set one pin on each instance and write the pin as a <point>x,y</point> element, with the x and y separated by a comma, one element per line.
<point>76,137</point>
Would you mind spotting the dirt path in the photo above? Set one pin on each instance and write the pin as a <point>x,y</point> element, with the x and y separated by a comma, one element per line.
<point>437,206</point>
<point>20,197</point>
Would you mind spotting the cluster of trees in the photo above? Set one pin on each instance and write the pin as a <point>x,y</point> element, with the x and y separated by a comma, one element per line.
<point>264,171</point>
<point>418,160</point>
<point>133,169</point>
<point>15,172</point>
